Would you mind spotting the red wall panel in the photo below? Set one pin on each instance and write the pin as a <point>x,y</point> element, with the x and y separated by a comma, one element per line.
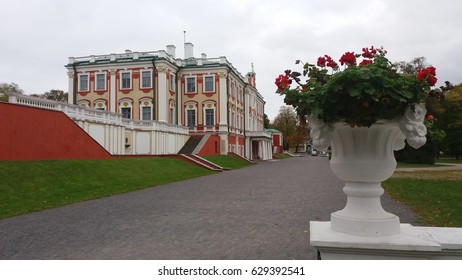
<point>28,133</point>
<point>211,147</point>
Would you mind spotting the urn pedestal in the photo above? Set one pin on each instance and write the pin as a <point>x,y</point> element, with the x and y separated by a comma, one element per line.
<point>363,157</point>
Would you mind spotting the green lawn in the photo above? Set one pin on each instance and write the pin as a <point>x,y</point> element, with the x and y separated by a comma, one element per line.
<point>456,161</point>
<point>418,165</point>
<point>281,156</point>
<point>228,161</point>
<point>436,201</point>
<point>36,185</point>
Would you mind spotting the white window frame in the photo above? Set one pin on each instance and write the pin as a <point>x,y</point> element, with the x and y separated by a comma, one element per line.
<point>142,113</point>
<point>83,103</point>
<point>172,112</point>
<point>96,105</point>
<point>213,83</point>
<point>144,103</point>
<point>195,117</point>
<point>186,85</point>
<point>141,78</point>
<point>96,81</point>
<point>129,105</point>
<point>87,86</point>
<point>121,73</point>
<point>213,116</point>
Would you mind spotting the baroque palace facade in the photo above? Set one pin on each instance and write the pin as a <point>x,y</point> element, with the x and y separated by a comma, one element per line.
<point>221,108</point>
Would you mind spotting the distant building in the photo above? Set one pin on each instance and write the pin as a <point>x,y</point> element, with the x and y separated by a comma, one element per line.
<point>276,136</point>
<point>222,109</point>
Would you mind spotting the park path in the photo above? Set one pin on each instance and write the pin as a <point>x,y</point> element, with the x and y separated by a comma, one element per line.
<point>259,212</point>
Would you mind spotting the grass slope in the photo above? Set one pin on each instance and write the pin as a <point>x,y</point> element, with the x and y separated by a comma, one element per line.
<point>36,185</point>
<point>228,161</point>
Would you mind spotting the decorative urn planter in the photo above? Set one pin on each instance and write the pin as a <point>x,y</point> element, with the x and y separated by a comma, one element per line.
<point>363,158</point>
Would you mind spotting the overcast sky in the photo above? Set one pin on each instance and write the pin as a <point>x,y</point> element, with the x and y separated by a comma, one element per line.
<point>37,37</point>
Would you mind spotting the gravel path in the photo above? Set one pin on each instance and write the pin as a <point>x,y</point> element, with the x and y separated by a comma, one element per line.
<point>258,212</point>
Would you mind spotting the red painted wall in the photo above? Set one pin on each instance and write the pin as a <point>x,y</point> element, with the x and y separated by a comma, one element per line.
<point>28,133</point>
<point>276,140</point>
<point>211,147</point>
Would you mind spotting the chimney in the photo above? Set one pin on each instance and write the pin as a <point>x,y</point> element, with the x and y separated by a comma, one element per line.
<point>171,49</point>
<point>188,50</point>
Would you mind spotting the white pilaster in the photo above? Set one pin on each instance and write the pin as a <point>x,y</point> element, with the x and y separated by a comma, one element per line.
<point>162,94</point>
<point>112,91</point>
<point>70,96</point>
<point>223,100</point>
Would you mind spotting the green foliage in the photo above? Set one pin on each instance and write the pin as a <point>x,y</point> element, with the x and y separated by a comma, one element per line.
<point>36,185</point>
<point>54,94</point>
<point>453,117</point>
<point>424,155</point>
<point>359,95</point>
<point>286,123</point>
<point>6,88</point>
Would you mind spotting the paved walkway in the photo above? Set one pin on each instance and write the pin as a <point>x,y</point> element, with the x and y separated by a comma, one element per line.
<point>440,167</point>
<point>259,212</point>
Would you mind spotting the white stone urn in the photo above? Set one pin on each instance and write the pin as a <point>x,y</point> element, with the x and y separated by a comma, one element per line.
<point>363,158</point>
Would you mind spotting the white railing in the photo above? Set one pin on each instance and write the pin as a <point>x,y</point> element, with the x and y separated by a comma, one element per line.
<point>80,113</point>
<point>127,55</point>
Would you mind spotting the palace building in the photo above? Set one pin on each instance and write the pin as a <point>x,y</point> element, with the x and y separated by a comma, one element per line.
<point>222,109</point>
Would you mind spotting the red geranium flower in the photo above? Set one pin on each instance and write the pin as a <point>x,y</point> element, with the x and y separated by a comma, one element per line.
<point>330,62</point>
<point>365,62</point>
<point>428,74</point>
<point>321,62</point>
<point>282,82</point>
<point>430,117</point>
<point>348,58</point>
<point>369,53</point>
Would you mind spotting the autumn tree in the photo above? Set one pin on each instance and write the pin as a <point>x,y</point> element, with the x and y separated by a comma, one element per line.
<point>8,87</point>
<point>453,119</point>
<point>54,94</point>
<point>286,123</point>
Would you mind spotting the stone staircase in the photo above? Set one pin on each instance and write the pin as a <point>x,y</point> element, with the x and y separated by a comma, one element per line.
<point>203,162</point>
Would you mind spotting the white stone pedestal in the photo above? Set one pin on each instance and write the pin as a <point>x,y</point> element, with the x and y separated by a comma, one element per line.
<point>411,243</point>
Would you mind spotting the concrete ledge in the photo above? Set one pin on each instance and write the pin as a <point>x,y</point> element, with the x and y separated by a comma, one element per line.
<point>411,243</point>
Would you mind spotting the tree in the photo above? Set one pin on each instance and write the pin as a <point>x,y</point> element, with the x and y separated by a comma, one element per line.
<point>427,153</point>
<point>412,66</point>
<point>5,88</point>
<point>266,121</point>
<point>453,119</point>
<point>286,123</point>
<point>54,94</point>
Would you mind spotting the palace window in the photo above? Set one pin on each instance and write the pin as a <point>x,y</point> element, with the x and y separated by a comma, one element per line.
<point>209,84</point>
<point>126,112</point>
<point>209,117</point>
<point>172,82</point>
<point>191,118</point>
<point>146,79</point>
<point>190,84</point>
<point>100,81</point>
<point>172,110</point>
<point>146,113</point>
<point>126,80</point>
<point>83,82</point>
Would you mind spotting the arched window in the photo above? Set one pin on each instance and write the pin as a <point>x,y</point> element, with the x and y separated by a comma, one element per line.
<point>171,113</point>
<point>100,104</point>
<point>209,108</point>
<point>126,108</point>
<point>146,109</point>
<point>191,114</point>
